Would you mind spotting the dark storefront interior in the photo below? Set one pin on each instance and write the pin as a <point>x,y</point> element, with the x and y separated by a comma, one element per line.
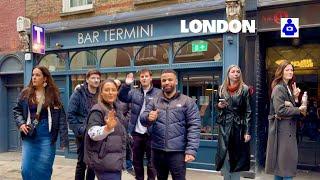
<point>304,54</point>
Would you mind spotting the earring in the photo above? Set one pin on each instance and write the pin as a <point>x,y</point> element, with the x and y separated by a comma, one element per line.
<point>45,84</point>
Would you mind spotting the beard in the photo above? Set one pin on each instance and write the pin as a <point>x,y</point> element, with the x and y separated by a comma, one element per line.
<point>168,89</point>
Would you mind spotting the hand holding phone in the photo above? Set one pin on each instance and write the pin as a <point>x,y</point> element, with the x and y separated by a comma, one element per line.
<point>222,103</point>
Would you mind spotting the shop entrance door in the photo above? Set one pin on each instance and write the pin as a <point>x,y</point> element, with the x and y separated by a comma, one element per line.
<point>201,86</point>
<point>14,141</point>
<point>305,59</point>
<point>308,128</point>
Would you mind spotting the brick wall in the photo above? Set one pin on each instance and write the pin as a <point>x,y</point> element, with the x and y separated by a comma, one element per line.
<point>9,39</point>
<point>48,11</point>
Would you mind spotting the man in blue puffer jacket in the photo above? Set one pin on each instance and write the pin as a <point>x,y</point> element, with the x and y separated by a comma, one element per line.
<point>175,122</point>
<point>81,101</point>
<point>139,99</point>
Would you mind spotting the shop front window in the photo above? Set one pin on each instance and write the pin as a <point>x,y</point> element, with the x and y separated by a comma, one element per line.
<point>198,50</point>
<point>202,88</point>
<point>118,57</point>
<point>54,62</point>
<point>83,60</point>
<point>152,54</point>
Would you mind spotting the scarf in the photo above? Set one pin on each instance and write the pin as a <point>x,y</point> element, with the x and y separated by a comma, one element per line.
<point>233,88</point>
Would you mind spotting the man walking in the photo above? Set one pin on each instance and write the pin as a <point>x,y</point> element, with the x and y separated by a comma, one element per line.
<point>80,104</point>
<point>139,98</point>
<point>175,121</point>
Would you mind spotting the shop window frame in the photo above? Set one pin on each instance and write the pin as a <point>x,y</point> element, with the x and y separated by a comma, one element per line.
<point>61,60</point>
<point>167,54</point>
<point>184,43</point>
<point>83,67</point>
<point>4,60</point>
<point>110,49</point>
<point>66,6</point>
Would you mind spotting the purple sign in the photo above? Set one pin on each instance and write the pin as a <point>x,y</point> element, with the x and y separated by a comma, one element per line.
<point>38,40</point>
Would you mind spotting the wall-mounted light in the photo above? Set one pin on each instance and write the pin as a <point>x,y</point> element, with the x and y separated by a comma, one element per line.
<point>230,39</point>
<point>59,45</point>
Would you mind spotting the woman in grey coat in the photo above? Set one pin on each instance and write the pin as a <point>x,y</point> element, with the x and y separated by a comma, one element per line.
<point>282,149</point>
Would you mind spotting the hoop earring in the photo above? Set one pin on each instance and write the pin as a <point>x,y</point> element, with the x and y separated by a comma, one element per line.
<point>45,84</point>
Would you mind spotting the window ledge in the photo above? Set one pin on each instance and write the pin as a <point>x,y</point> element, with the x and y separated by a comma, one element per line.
<point>69,13</point>
<point>140,2</point>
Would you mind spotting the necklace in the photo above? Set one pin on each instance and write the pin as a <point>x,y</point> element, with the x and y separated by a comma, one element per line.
<point>39,94</point>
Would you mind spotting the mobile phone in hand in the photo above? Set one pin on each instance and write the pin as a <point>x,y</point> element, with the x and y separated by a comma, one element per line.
<point>223,101</point>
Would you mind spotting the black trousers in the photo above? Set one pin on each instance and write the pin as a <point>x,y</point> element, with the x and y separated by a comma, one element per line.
<point>141,145</point>
<point>81,166</point>
<point>169,161</point>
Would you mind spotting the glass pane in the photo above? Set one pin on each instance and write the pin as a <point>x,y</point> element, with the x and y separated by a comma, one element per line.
<point>83,60</point>
<point>202,89</point>
<point>75,3</point>
<point>77,79</point>
<point>198,50</point>
<point>152,54</point>
<point>121,76</point>
<point>54,62</point>
<point>11,64</point>
<point>306,56</point>
<point>117,58</point>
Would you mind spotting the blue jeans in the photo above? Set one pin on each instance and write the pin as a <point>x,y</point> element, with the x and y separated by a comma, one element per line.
<point>129,165</point>
<point>227,175</point>
<point>282,178</point>
<point>38,154</point>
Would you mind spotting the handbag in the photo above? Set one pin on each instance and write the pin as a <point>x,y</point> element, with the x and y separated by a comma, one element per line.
<point>34,123</point>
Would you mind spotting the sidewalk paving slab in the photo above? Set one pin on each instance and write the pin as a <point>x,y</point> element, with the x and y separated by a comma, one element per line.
<point>64,169</point>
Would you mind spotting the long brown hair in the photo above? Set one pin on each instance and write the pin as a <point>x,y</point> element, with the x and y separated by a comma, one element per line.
<point>278,75</point>
<point>226,82</point>
<point>52,95</point>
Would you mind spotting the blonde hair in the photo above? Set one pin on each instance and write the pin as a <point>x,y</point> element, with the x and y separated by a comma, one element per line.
<point>223,89</point>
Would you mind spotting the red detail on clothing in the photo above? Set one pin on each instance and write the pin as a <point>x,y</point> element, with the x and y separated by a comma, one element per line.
<point>233,88</point>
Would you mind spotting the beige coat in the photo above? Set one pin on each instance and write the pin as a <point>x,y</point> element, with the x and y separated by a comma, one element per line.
<point>282,149</point>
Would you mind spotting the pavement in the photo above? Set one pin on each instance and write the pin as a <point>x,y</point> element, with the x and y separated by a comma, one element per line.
<point>64,169</point>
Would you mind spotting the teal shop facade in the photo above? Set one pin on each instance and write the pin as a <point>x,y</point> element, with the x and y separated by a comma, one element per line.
<point>127,42</point>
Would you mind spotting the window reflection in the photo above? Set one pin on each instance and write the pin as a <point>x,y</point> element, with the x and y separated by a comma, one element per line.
<point>202,89</point>
<point>152,54</point>
<point>117,57</point>
<point>54,62</point>
<point>83,60</point>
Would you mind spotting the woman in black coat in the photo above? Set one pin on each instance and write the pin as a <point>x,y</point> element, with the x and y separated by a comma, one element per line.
<point>234,115</point>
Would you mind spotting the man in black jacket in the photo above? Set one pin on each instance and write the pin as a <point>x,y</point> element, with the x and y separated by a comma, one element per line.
<point>175,122</point>
<point>81,101</point>
<point>139,99</point>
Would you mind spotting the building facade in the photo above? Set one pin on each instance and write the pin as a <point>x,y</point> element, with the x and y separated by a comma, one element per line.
<point>11,72</point>
<point>117,37</point>
<point>304,54</point>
